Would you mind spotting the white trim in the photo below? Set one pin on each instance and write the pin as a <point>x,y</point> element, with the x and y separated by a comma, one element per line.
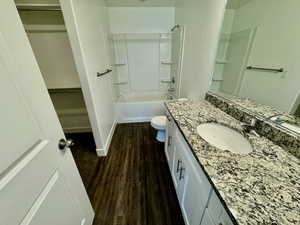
<point>293,108</point>
<point>180,63</point>
<point>104,151</point>
<point>135,120</point>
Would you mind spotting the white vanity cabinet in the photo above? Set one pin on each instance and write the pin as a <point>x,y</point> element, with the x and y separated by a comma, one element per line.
<point>199,203</point>
<point>193,188</point>
<point>215,213</point>
<point>169,146</point>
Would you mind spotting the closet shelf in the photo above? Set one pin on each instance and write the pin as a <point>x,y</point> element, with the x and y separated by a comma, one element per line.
<point>64,89</point>
<point>38,7</point>
<point>45,28</point>
<point>77,129</point>
<point>72,112</point>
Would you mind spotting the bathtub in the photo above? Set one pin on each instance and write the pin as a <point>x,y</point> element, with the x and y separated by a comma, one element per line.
<point>131,109</point>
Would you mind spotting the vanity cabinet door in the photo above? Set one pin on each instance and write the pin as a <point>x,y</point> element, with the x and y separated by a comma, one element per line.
<point>210,218</point>
<point>178,171</point>
<point>217,211</point>
<point>195,186</point>
<point>169,145</point>
<point>207,220</point>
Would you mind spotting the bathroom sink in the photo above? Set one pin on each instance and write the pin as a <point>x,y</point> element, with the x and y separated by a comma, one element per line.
<point>224,138</point>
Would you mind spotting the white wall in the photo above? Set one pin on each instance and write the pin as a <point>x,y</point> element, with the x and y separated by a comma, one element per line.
<point>141,19</point>
<point>202,20</point>
<point>276,45</point>
<point>87,25</point>
<point>55,59</point>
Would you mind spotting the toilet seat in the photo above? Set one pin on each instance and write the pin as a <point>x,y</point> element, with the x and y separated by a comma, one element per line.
<point>159,122</point>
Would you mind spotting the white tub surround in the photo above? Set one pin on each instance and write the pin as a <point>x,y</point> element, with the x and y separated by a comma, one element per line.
<point>132,109</point>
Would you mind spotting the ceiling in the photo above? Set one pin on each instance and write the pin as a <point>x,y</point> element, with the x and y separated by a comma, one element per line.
<point>232,4</point>
<point>140,3</point>
<point>112,3</point>
<point>235,4</point>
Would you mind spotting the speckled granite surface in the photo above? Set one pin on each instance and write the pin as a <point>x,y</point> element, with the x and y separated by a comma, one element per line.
<point>254,108</point>
<point>260,188</point>
<point>283,137</point>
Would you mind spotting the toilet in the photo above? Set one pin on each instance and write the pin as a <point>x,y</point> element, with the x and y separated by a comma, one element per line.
<point>159,123</point>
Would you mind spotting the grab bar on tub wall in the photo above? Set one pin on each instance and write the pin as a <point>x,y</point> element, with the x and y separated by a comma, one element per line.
<point>265,69</point>
<point>103,73</point>
<point>175,27</point>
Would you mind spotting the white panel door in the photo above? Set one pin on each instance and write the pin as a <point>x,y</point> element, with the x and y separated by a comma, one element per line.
<point>39,184</point>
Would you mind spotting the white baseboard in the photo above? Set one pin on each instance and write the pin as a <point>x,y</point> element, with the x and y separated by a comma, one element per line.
<point>135,120</point>
<point>103,151</point>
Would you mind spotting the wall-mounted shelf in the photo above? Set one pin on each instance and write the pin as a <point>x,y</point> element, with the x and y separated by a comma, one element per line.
<point>167,81</point>
<point>121,83</point>
<point>119,64</point>
<point>166,63</point>
<point>219,61</point>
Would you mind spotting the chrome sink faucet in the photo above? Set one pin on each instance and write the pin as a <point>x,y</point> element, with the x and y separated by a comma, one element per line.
<point>275,118</point>
<point>250,127</point>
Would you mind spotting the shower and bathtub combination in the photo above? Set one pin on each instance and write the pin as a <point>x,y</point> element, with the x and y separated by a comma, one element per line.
<point>146,72</point>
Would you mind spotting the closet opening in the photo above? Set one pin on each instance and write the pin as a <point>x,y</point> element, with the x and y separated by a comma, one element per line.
<point>45,27</point>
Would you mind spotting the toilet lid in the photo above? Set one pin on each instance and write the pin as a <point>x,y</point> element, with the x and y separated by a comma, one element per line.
<point>159,122</point>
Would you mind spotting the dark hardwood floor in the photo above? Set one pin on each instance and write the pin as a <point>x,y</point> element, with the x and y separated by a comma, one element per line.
<point>132,185</point>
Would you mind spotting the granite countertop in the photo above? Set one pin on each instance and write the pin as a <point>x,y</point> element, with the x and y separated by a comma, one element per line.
<point>257,109</point>
<point>262,187</point>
